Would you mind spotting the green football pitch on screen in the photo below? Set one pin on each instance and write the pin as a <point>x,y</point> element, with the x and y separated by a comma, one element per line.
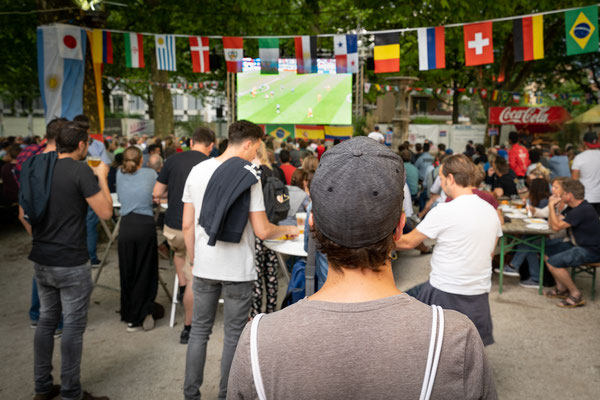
<point>311,99</point>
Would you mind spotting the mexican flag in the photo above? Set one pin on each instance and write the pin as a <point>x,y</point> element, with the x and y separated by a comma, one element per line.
<point>269,55</point>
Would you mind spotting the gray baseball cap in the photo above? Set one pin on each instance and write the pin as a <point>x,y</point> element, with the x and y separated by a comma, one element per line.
<point>357,192</point>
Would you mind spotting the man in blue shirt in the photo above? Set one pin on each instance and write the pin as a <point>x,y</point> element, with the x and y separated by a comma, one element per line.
<point>424,161</point>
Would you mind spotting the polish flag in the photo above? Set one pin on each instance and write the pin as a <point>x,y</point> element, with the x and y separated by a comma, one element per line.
<point>199,49</point>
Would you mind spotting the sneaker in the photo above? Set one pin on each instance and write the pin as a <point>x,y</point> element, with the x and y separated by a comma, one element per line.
<point>88,396</point>
<point>185,336</point>
<point>58,333</point>
<point>133,328</point>
<point>530,283</point>
<point>95,263</point>
<point>148,323</point>
<point>54,391</point>
<point>33,324</point>
<point>508,271</point>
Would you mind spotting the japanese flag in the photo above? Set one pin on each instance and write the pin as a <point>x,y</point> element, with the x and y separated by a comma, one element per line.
<point>69,41</point>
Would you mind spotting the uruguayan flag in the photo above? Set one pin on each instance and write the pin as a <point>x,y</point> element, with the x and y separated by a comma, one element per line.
<point>60,50</point>
<point>165,52</point>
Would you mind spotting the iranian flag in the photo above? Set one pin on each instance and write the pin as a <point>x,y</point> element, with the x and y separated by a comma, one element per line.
<point>134,50</point>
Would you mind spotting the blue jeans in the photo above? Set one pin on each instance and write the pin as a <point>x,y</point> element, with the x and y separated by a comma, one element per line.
<point>238,300</point>
<point>34,310</point>
<point>91,222</point>
<point>564,254</point>
<point>532,259</point>
<point>65,289</point>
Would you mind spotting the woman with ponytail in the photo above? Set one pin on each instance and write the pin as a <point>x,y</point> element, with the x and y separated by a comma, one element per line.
<point>138,251</point>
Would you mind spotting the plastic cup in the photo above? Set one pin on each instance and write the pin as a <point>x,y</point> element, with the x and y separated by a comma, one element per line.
<point>300,220</point>
<point>93,161</point>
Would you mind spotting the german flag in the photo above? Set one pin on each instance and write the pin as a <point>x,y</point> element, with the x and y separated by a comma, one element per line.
<point>528,34</point>
<point>387,53</point>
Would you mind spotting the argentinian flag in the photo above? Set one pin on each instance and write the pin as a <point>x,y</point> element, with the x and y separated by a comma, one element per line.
<point>61,58</point>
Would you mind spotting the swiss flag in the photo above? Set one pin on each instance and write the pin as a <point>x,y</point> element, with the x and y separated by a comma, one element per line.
<point>479,48</point>
<point>199,49</point>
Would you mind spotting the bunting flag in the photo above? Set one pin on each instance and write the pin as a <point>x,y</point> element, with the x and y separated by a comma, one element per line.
<point>432,48</point>
<point>310,132</point>
<point>495,95</point>
<point>60,73</point>
<point>516,98</point>
<point>528,38</point>
<point>165,52</point>
<point>134,50</point>
<point>306,54</point>
<point>581,28</point>
<point>338,132</point>
<point>233,47</point>
<point>268,51</point>
<point>102,51</point>
<point>479,48</point>
<point>93,37</point>
<point>367,87</point>
<point>483,92</point>
<point>387,53</point>
<point>345,49</point>
<point>280,131</point>
<point>199,49</point>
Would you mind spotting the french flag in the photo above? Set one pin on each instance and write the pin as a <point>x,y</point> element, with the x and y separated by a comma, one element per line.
<point>61,62</point>
<point>346,53</point>
<point>432,49</point>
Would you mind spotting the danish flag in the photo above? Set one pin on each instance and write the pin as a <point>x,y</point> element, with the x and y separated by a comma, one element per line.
<point>199,49</point>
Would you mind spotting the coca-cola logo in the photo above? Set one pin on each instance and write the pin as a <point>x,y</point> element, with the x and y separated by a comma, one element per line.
<point>533,115</point>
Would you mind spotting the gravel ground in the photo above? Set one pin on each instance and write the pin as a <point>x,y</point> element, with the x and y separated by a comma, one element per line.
<point>541,351</point>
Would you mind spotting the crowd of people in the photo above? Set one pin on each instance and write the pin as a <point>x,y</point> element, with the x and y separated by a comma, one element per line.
<point>364,203</point>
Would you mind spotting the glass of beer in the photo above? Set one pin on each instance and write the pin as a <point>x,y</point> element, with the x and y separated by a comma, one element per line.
<point>300,220</point>
<point>93,161</point>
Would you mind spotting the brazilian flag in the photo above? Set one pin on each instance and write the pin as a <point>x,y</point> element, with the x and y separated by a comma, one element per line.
<point>581,29</point>
<point>280,132</point>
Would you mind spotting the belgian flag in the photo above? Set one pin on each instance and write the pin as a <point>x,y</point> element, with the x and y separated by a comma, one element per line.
<point>528,34</point>
<point>387,53</point>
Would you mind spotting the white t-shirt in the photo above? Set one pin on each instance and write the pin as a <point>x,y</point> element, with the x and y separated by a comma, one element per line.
<point>588,165</point>
<point>224,261</point>
<point>378,136</point>
<point>407,203</point>
<point>436,188</point>
<point>466,230</point>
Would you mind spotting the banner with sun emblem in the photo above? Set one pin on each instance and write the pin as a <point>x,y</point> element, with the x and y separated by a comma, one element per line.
<point>233,49</point>
<point>60,50</point>
<point>165,53</point>
<point>581,28</point>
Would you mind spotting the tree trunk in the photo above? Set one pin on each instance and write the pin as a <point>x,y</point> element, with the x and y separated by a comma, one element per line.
<point>90,101</point>
<point>162,102</point>
<point>455,105</point>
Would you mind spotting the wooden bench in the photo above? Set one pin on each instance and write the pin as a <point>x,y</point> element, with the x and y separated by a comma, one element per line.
<point>589,268</point>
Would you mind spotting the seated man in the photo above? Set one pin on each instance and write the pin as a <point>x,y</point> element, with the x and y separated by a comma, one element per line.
<point>359,336</point>
<point>583,227</point>
<point>466,229</point>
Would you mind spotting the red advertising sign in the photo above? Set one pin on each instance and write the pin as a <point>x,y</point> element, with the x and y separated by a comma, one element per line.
<point>527,115</point>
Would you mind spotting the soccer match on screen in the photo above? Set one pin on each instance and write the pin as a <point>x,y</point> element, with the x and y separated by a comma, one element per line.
<point>321,98</point>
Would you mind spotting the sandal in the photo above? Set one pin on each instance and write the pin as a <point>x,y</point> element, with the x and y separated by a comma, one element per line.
<point>557,294</point>
<point>575,302</point>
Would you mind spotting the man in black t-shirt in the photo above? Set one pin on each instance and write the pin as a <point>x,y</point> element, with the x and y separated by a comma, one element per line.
<point>503,183</point>
<point>171,182</point>
<point>582,225</point>
<point>60,257</point>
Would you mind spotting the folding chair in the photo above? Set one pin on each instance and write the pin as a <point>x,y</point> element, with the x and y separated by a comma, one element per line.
<point>589,268</point>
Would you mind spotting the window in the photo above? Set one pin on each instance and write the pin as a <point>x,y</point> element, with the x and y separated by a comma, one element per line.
<point>117,104</point>
<point>419,105</point>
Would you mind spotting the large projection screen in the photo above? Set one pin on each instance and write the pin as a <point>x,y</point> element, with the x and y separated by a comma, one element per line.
<point>324,98</point>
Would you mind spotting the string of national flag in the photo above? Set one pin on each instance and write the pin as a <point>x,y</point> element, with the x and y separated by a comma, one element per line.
<point>581,34</point>
<point>502,95</point>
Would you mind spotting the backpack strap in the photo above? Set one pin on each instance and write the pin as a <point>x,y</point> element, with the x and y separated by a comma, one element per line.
<point>256,375</point>
<point>433,359</point>
<point>311,268</point>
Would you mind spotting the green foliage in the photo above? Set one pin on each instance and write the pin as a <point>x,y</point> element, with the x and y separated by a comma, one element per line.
<point>423,121</point>
<point>359,125</point>
<point>570,134</point>
<point>188,127</point>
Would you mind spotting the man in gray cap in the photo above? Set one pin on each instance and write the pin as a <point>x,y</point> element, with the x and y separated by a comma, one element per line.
<point>359,336</point>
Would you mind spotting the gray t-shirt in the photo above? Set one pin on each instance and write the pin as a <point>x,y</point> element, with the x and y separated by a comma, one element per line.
<point>371,350</point>
<point>135,191</point>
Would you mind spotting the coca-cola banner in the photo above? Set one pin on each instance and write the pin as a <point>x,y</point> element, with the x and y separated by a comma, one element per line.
<point>527,115</point>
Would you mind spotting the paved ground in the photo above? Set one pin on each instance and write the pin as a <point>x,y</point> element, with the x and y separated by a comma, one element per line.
<point>541,351</point>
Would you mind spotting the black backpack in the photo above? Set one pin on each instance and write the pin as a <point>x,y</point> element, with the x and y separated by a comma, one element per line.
<point>276,196</point>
